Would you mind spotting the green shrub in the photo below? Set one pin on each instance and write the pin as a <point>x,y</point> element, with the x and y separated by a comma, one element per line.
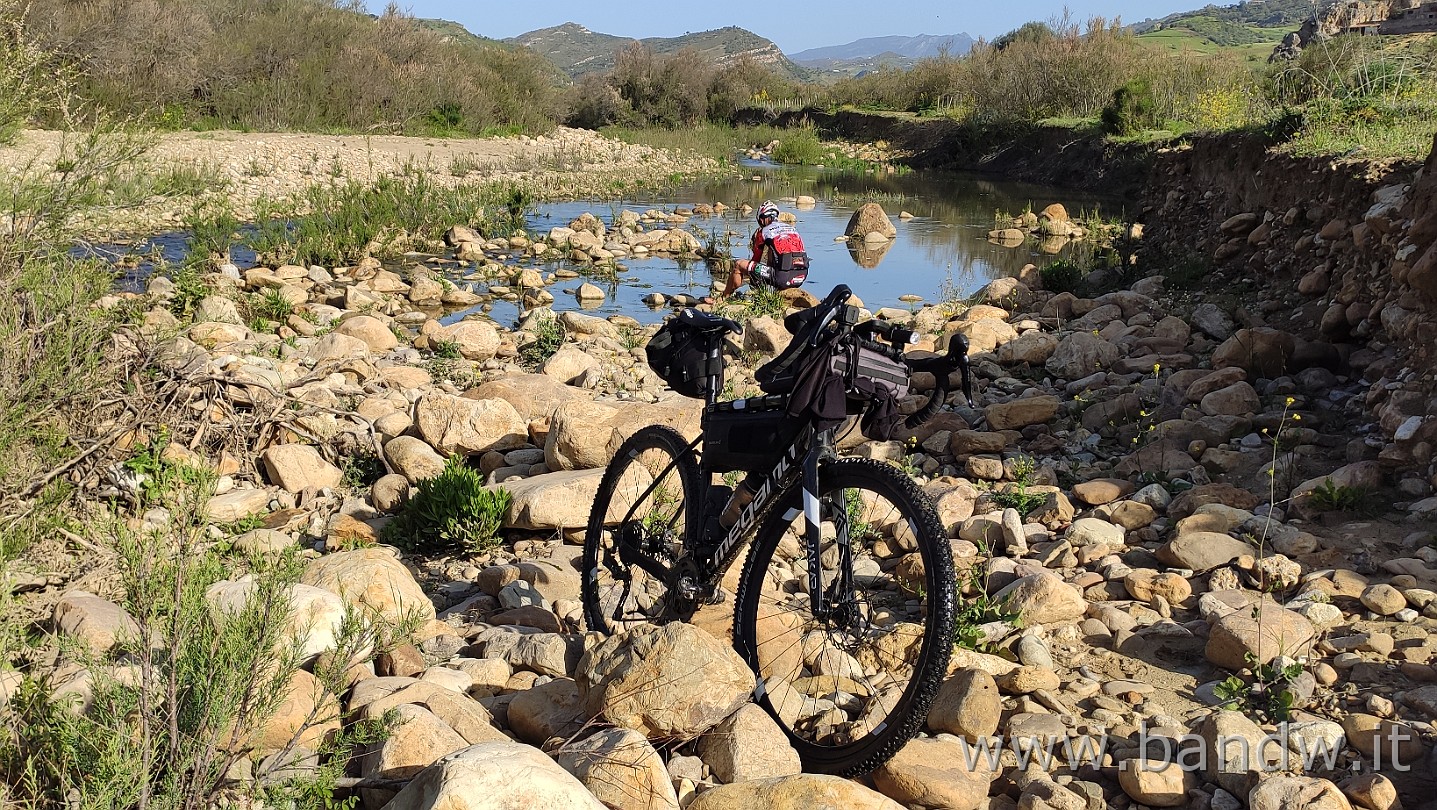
<point>452,510</point>
<point>799,146</point>
<point>548,339</point>
<point>271,304</point>
<point>1017,495</point>
<point>1062,276</point>
<point>1134,109</point>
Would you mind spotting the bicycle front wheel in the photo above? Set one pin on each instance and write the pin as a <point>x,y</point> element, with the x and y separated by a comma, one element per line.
<point>851,680</point>
<point>637,528</point>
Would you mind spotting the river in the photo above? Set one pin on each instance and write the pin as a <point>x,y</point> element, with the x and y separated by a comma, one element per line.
<point>942,249</point>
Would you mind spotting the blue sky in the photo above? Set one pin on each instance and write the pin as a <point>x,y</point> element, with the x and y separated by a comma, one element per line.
<point>795,25</point>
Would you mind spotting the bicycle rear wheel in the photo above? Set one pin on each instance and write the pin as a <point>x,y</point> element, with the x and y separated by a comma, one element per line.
<point>852,683</point>
<point>637,527</point>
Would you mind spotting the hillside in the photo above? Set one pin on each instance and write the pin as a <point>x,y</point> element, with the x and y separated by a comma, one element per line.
<point>1245,23</point>
<point>451,31</point>
<point>577,50</point>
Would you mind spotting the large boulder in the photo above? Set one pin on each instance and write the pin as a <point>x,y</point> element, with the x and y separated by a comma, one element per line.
<point>585,435</point>
<point>1043,598</point>
<point>748,745</point>
<point>297,467</point>
<point>1081,354</point>
<point>674,681</point>
<point>495,776</point>
<point>98,623</point>
<point>968,705</point>
<point>467,426</point>
<point>416,740</point>
<point>534,396</point>
<point>553,709</point>
<point>801,792</point>
<point>314,618</point>
<point>568,364</point>
<point>1244,630</point>
<point>1156,784</point>
<point>305,709</point>
<point>1283,792</point>
<point>1260,351</point>
<point>935,773</point>
<point>372,579</point>
<point>1203,551</point>
<point>476,340</point>
<point>413,458</point>
<point>869,218</point>
<point>374,332</point>
<point>559,500</point>
<point>621,769</point>
<point>1021,413</point>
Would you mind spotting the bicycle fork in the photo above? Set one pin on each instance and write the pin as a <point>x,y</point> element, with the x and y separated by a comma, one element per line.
<point>826,602</point>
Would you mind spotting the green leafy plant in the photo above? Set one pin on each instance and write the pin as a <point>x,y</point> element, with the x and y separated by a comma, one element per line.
<point>1133,109</point>
<point>970,613</point>
<point>548,338</point>
<point>1016,496</point>
<point>190,288</point>
<point>362,470</point>
<point>1062,275</point>
<point>451,510</point>
<point>271,304</point>
<point>1267,694</point>
<point>1330,496</point>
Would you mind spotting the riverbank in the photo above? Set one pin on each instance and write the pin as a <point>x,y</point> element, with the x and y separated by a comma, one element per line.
<point>178,171</point>
<point>1169,477</point>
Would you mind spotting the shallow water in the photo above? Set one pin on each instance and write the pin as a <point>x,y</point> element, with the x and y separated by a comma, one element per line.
<point>944,247</point>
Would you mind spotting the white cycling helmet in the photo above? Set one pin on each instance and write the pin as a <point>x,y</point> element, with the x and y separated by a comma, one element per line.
<point>767,210</point>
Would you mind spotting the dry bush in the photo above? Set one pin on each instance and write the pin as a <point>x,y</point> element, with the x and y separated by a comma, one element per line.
<point>667,90</point>
<point>291,64</point>
<point>1049,70</point>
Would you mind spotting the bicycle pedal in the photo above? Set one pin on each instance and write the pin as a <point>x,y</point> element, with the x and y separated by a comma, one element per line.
<point>716,597</point>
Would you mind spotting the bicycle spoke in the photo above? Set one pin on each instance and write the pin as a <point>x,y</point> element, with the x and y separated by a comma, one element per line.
<point>637,531</point>
<point>843,680</point>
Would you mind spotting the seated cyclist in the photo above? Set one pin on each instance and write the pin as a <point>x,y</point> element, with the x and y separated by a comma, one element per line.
<point>778,258</point>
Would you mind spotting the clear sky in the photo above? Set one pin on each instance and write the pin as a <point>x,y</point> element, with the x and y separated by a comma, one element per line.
<point>795,25</point>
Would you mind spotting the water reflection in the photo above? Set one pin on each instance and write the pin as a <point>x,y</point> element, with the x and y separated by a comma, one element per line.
<point>942,247</point>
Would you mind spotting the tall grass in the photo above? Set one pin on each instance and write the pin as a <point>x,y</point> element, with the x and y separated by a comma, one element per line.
<point>341,223</point>
<point>715,140</point>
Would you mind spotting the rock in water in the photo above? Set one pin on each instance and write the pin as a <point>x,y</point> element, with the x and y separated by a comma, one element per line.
<point>870,218</point>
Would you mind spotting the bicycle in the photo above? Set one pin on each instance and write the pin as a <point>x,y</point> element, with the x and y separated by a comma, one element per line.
<point>844,607</point>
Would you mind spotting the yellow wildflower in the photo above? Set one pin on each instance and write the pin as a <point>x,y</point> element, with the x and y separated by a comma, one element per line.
<point>1297,417</point>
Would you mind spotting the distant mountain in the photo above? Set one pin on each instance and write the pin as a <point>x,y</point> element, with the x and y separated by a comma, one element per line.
<point>864,55</point>
<point>577,50</point>
<point>914,48</point>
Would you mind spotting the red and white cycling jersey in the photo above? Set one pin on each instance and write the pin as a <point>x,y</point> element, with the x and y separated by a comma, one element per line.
<point>774,240</point>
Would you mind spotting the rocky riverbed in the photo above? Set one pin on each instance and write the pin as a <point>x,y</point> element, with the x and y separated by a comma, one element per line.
<point>1204,498</point>
<point>244,168</point>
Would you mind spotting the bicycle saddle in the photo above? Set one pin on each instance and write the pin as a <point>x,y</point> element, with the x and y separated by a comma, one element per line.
<point>707,322</point>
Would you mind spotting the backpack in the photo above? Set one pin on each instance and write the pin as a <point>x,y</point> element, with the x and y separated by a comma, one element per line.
<point>680,355</point>
<point>789,260</point>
